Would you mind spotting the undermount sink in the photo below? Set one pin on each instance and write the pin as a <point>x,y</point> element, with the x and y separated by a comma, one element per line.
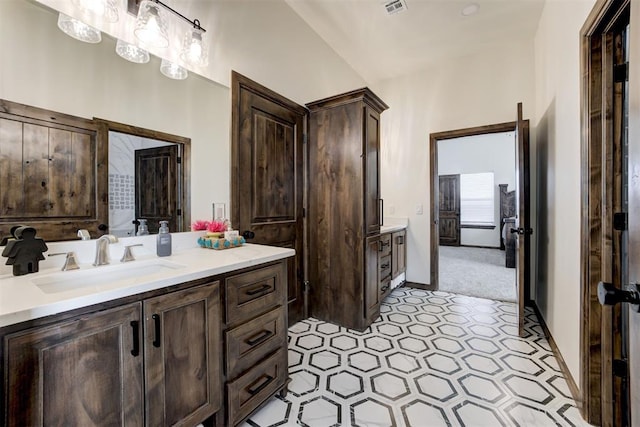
<point>94,277</point>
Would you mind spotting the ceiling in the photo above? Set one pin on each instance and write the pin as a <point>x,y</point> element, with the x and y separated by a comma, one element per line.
<point>380,46</point>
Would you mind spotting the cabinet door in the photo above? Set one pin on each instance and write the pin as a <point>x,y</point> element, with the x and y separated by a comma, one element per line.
<point>182,352</point>
<point>399,261</point>
<point>371,279</point>
<point>372,202</point>
<point>82,372</point>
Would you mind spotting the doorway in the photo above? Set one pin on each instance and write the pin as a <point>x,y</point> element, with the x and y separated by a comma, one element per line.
<point>521,227</point>
<point>476,210</point>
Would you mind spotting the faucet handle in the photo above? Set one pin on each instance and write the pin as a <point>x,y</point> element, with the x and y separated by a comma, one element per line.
<point>84,234</point>
<point>128,254</point>
<point>70,262</point>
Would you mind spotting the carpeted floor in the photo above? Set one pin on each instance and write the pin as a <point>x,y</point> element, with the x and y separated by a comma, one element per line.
<point>477,272</point>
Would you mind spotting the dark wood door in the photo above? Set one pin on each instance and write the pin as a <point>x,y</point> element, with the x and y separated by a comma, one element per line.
<point>182,356</point>
<point>267,186</point>
<point>449,213</point>
<point>84,372</point>
<point>157,187</point>
<point>523,224</point>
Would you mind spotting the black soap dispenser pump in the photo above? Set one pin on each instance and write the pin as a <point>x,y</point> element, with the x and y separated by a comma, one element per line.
<point>164,239</point>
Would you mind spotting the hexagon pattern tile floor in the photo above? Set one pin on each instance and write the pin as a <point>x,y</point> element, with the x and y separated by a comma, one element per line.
<point>431,359</point>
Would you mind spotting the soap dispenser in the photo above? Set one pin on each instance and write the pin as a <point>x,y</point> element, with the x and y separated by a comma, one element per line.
<point>142,228</point>
<point>164,239</point>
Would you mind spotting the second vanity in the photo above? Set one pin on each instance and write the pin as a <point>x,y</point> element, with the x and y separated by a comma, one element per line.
<point>199,336</point>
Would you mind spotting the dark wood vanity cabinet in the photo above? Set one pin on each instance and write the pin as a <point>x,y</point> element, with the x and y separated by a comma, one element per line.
<point>344,207</point>
<point>153,362</point>
<point>255,339</point>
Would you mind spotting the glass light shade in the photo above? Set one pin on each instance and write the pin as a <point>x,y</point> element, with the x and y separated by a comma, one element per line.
<point>78,30</point>
<point>106,9</point>
<point>131,52</point>
<point>194,48</point>
<point>173,70</point>
<point>152,25</point>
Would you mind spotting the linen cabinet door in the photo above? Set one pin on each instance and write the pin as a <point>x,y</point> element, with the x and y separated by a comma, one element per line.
<point>83,372</point>
<point>182,355</point>
<point>371,280</point>
<point>372,201</point>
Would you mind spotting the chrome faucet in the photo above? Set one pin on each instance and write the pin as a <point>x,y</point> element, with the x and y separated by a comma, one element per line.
<point>102,249</point>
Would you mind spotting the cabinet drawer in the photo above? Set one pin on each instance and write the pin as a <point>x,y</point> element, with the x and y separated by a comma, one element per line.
<point>385,244</point>
<point>250,390</point>
<point>252,341</point>
<point>384,266</point>
<point>385,287</point>
<point>254,292</point>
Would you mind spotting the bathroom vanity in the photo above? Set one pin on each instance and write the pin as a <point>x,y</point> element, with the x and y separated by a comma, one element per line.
<point>200,336</point>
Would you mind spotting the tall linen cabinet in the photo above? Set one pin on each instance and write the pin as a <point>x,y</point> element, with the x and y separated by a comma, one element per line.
<point>345,209</point>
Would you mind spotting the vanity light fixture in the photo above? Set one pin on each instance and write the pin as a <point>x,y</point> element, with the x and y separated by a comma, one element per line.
<point>131,52</point>
<point>105,9</point>
<point>78,29</point>
<point>173,70</point>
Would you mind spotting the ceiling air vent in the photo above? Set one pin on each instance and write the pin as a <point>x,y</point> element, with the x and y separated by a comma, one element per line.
<point>394,6</point>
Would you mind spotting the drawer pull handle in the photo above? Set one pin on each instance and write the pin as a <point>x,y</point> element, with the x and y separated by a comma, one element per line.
<point>259,290</point>
<point>384,289</point>
<point>383,266</point>
<point>135,326</point>
<point>400,240</point>
<point>387,243</point>
<point>259,337</point>
<point>253,389</point>
<point>156,340</point>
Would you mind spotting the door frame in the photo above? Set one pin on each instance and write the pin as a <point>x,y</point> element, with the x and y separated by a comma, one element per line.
<point>598,392</point>
<point>435,187</point>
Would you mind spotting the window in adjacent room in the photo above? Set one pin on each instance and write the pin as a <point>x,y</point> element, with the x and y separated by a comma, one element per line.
<point>477,199</point>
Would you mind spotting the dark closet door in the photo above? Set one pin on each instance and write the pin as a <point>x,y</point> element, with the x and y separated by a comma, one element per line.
<point>449,210</point>
<point>267,186</point>
<point>157,186</point>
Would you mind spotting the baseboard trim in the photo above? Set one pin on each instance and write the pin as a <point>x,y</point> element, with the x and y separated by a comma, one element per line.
<point>573,387</point>
<point>480,247</point>
<point>423,286</point>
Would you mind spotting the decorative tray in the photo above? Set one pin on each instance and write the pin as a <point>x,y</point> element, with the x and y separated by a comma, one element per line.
<point>220,242</point>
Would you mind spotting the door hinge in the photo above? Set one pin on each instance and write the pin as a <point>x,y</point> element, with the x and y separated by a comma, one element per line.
<point>620,368</point>
<point>620,221</point>
<point>179,160</point>
<point>304,213</point>
<point>306,285</point>
<point>179,212</point>
<point>305,138</point>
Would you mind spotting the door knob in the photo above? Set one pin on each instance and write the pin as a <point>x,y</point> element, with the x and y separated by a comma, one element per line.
<point>610,295</point>
<point>248,234</point>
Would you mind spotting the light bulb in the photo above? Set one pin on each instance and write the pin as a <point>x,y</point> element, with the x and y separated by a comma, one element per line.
<point>105,9</point>
<point>151,25</point>
<point>194,49</point>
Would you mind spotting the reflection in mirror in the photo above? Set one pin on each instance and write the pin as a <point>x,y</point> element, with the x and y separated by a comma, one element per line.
<point>128,190</point>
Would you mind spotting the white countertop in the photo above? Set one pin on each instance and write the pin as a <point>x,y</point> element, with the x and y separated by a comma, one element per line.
<point>392,224</point>
<point>51,291</point>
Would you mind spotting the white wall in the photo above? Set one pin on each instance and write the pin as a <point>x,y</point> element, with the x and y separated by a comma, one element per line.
<point>43,67</point>
<point>472,91</point>
<point>494,152</point>
<point>557,119</point>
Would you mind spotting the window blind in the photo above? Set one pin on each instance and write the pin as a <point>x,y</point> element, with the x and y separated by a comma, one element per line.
<point>477,199</point>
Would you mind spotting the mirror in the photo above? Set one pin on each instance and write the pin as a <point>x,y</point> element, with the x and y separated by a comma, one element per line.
<point>148,178</point>
<point>142,184</point>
